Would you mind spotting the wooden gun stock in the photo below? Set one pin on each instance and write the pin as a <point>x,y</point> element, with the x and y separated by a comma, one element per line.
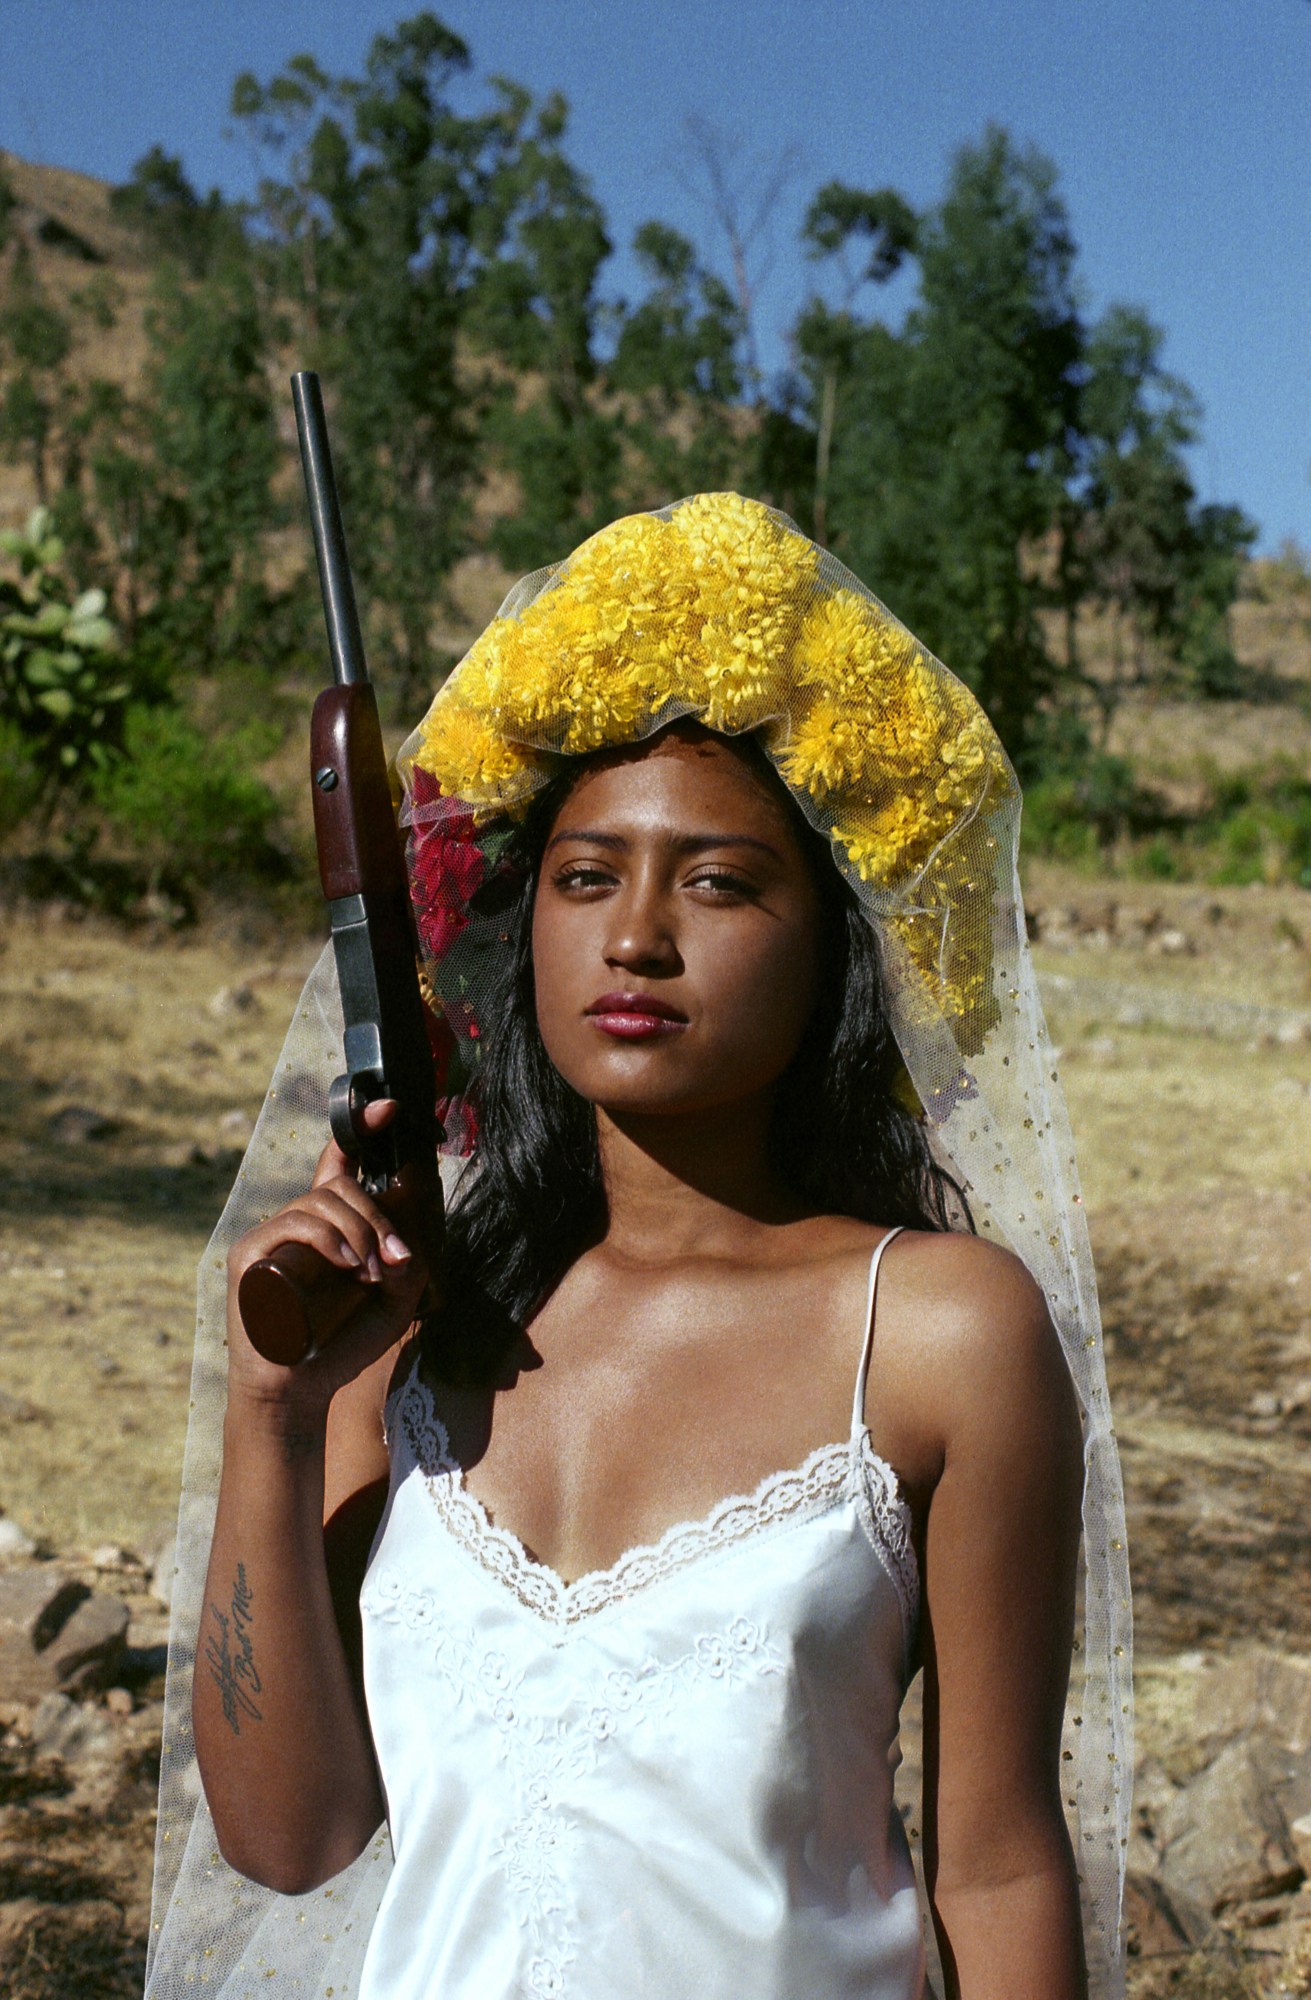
<point>294,1301</point>
<point>354,825</point>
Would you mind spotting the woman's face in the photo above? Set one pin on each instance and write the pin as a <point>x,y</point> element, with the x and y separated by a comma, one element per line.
<point>675,931</point>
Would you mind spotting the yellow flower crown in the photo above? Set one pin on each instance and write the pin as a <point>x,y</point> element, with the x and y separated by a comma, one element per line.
<point>721,610</point>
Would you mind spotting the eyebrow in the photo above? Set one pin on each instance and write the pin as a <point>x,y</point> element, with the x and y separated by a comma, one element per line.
<point>688,843</point>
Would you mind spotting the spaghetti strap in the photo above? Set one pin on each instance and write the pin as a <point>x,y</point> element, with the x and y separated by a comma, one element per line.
<point>862,1373</point>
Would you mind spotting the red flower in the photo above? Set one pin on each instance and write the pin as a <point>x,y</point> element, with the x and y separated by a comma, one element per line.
<point>446,868</point>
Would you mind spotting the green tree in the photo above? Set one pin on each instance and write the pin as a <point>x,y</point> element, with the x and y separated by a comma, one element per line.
<point>881,226</point>
<point>117,513</point>
<point>540,242</point>
<point>676,365</point>
<point>682,340</point>
<point>213,451</point>
<point>951,467</point>
<point>1219,549</point>
<point>1164,569</point>
<point>168,493</point>
<point>36,339</point>
<point>366,223</point>
<point>171,217</point>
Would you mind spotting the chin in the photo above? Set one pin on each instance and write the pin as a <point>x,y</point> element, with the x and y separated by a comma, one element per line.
<point>652,1097</point>
<point>640,1080</point>
<point>649,1104</point>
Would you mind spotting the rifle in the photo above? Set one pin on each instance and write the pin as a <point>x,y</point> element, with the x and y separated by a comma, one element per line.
<point>294,1300</point>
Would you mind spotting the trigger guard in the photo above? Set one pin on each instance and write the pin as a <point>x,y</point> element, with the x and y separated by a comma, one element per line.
<point>347,1097</point>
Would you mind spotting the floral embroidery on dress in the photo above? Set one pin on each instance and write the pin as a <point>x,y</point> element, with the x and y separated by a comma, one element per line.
<point>825,1477</point>
<point>544,1755</point>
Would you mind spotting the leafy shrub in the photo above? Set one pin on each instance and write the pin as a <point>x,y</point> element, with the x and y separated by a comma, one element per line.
<point>192,805</point>
<point>1158,860</point>
<point>1261,829</point>
<point>1054,822</point>
<point>20,781</point>
<point>62,679</point>
<point>1217,674</point>
<point>1254,827</point>
<point>1078,808</point>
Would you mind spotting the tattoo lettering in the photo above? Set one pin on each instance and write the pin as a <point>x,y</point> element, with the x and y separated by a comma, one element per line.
<point>300,1444</point>
<point>230,1656</point>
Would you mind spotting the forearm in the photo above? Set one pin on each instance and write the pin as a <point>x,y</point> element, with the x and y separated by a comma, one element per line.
<point>1017,1938</point>
<point>281,1737</point>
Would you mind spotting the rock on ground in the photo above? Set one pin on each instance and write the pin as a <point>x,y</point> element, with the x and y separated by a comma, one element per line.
<point>56,1633</point>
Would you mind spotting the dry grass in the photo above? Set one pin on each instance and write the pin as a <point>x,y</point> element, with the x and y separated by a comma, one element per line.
<point>1194,1149</point>
<point>99,1240</point>
<point>1198,1174</point>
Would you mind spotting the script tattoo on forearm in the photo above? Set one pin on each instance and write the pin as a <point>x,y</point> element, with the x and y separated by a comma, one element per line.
<point>230,1656</point>
<point>300,1444</point>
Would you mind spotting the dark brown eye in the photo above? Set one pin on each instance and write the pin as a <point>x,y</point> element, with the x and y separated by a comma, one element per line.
<point>724,882</point>
<point>582,875</point>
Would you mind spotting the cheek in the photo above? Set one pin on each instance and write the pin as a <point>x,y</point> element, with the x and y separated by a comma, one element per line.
<point>762,994</point>
<point>563,962</point>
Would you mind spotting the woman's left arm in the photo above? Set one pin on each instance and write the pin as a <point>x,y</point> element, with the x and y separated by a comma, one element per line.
<point>1000,1554</point>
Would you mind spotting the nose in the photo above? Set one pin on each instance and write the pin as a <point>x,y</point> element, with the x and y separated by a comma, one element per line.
<point>641,938</point>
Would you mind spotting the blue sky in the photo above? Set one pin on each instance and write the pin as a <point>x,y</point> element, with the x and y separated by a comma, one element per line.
<point>1181,131</point>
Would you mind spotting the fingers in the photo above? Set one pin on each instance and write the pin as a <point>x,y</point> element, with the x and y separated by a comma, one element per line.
<point>333,1162</point>
<point>352,1310</point>
<point>366,1237</point>
<point>379,1113</point>
<point>339,1221</point>
<point>385,1248</point>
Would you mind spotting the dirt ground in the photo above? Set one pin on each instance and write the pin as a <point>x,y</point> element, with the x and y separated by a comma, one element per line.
<point>134,1066</point>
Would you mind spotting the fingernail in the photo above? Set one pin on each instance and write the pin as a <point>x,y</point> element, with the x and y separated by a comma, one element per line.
<point>374,1268</point>
<point>397,1251</point>
<point>349,1255</point>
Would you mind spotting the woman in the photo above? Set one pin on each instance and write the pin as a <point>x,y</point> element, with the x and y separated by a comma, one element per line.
<point>635,1736</point>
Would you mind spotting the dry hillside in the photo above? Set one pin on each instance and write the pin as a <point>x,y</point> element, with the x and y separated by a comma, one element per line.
<point>134,1061</point>
<point>81,252</point>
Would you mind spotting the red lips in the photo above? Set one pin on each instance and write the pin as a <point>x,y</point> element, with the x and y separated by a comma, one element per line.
<point>632,1016</point>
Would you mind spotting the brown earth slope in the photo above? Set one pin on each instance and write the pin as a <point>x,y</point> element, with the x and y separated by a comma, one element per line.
<point>135,1065</point>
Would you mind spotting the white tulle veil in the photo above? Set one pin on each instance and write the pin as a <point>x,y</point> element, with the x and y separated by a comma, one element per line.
<point>943,894</point>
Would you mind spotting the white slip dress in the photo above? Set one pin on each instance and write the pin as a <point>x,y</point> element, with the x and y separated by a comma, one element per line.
<point>671,1778</point>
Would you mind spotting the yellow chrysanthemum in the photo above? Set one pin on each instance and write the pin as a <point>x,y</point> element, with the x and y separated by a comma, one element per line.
<point>827,753</point>
<point>739,552</point>
<point>722,611</point>
<point>472,760</point>
<point>883,843</point>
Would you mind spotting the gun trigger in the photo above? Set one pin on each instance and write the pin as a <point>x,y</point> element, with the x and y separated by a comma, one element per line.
<point>347,1098</point>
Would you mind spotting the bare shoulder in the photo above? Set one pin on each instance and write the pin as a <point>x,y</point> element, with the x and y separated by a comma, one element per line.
<point>970,1293</point>
<point>964,1347</point>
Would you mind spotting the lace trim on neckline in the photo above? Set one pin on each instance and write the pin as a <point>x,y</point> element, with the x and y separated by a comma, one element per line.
<point>830,1473</point>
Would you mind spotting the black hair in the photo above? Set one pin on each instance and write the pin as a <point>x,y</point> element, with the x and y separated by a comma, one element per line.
<point>838,1134</point>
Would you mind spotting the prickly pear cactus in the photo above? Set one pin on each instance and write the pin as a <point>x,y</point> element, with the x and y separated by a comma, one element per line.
<point>62,683</point>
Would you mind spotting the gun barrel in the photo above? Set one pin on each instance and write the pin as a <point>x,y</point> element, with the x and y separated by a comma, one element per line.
<point>345,643</point>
